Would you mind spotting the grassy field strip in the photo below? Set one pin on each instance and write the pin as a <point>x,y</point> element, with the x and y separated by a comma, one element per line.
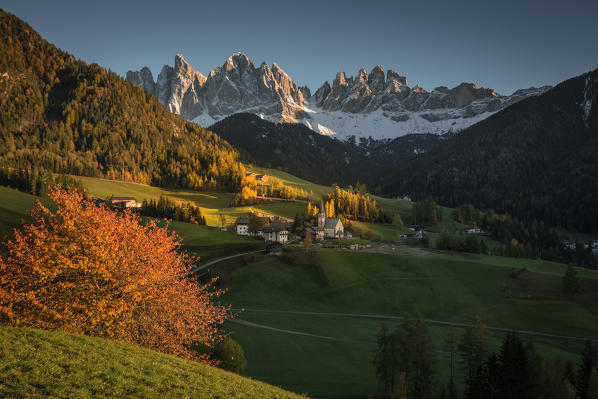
<point>372,280</point>
<point>293,332</point>
<point>256,325</point>
<point>429,321</point>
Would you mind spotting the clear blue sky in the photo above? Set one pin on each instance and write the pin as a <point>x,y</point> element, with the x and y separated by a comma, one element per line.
<point>504,45</point>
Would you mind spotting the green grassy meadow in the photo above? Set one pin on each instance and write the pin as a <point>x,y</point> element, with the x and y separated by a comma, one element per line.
<point>447,287</point>
<point>318,190</point>
<point>379,231</point>
<point>14,207</point>
<point>52,364</point>
<point>212,204</point>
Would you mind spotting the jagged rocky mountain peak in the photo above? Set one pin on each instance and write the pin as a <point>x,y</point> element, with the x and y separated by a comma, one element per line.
<point>339,80</point>
<point>392,75</point>
<point>376,78</point>
<point>379,103</point>
<point>143,78</point>
<point>419,89</point>
<point>237,61</point>
<point>362,75</point>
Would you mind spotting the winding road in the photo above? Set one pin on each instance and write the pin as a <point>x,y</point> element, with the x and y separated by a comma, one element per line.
<point>398,318</point>
<point>210,263</point>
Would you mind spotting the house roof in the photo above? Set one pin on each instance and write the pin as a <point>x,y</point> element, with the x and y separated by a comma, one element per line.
<point>275,227</point>
<point>242,220</point>
<point>331,223</point>
<point>123,199</point>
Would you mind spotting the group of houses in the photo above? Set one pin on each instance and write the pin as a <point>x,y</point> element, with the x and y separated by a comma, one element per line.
<point>273,230</point>
<point>277,229</point>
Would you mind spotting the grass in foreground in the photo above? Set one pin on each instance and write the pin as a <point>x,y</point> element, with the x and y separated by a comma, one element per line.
<point>37,363</point>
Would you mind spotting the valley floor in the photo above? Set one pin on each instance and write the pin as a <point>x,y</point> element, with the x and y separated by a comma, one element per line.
<point>294,326</point>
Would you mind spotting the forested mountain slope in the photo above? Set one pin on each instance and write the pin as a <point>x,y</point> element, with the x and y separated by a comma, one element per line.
<point>301,151</point>
<point>535,159</point>
<point>63,115</point>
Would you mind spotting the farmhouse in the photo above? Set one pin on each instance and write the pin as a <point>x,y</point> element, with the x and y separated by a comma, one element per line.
<point>316,232</point>
<point>125,202</point>
<point>262,178</point>
<point>276,233</point>
<point>242,226</point>
<point>251,175</point>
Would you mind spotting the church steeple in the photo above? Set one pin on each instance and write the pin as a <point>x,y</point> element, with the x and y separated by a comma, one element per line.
<point>321,215</point>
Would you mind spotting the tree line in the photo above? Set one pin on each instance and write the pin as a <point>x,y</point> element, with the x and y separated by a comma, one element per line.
<point>167,208</point>
<point>354,203</point>
<point>36,181</point>
<point>406,366</point>
<point>524,239</point>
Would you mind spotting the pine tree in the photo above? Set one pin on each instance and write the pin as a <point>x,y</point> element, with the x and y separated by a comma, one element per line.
<point>385,359</point>
<point>416,356</point>
<point>474,350</point>
<point>570,280</point>
<point>589,360</point>
<point>593,384</point>
<point>514,374</point>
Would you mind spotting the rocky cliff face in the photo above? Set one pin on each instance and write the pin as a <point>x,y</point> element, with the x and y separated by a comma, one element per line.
<point>143,78</point>
<point>235,86</point>
<point>378,104</point>
<point>393,95</point>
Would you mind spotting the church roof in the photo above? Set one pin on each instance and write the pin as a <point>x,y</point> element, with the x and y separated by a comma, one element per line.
<point>331,223</point>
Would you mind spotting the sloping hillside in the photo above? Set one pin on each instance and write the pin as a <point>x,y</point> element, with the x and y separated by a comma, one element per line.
<point>62,115</point>
<point>37,363</point>
<point>535,159</point>
<point>299,150</point>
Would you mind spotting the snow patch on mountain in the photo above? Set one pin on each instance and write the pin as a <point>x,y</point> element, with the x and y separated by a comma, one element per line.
<point>375,124</point>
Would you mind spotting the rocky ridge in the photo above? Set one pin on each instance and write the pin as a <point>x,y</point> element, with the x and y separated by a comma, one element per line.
<point>378,104</point>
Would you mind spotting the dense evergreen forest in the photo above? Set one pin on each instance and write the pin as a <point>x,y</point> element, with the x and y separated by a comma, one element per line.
<point>58,114</point>
<point>322,159</point>
<point>534,160</point>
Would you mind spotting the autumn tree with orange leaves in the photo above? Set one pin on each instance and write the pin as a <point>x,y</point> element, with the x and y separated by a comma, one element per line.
<point>87,269</point>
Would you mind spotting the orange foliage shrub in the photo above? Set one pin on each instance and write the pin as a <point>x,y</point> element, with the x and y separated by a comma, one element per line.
<point>87,269</point>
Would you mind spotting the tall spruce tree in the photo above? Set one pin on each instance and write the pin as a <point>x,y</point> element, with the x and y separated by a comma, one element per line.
<point>589,360</point>
<point>473,350</point>
<point>385,359</point>
<point>416,356</point>
<point>514,374</point>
